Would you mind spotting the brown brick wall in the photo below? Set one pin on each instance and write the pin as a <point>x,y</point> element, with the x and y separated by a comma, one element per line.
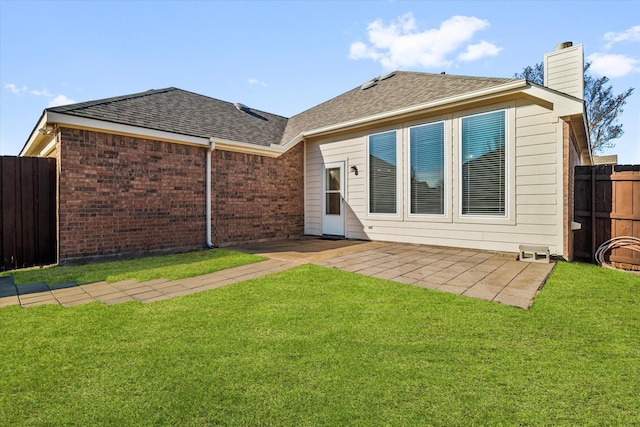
<point>571,159</point>
<point>257,197</point>
<point>120,196</point>
<point>125,195</point>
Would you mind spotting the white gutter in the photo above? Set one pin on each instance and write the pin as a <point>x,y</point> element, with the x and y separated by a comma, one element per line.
<point>212,147</point>
<point>71,121</point>
<point>244,147</point>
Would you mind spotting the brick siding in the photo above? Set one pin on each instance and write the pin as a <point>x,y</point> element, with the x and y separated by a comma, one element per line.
<point>256,197</point>
<point>571,159</point>
<point>126,196</point>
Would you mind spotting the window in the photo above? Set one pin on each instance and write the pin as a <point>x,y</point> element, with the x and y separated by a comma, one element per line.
<point>382,173</point>
<point>332,191</point>
<point>483,171</point>
<point>426,163</point>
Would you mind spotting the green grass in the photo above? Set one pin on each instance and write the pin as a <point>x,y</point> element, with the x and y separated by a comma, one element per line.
<point>317,346</point>
<point>170,267</point>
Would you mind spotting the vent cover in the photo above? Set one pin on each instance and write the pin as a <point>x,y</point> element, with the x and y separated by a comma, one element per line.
<point>388,75</point>
<point>374,81</point>
<point>370,83</point>
<point>241,107</point>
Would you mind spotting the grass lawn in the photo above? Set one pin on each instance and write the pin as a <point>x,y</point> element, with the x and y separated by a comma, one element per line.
<point>317,346</point>
<point>170,267</point>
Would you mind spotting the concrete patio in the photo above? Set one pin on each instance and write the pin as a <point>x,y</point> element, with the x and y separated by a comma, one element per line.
<point>492,276</point>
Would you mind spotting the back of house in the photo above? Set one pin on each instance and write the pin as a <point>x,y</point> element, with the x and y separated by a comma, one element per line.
<point>470,162</point>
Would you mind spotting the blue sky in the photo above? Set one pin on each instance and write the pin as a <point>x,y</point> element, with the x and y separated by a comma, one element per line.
<point>285,57</point>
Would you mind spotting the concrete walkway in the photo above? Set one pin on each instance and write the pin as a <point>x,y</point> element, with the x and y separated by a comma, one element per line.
<point>70,294</point>
<point>497,277</point>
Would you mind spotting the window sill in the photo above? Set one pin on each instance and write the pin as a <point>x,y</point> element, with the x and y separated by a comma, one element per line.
<point>497,220</point>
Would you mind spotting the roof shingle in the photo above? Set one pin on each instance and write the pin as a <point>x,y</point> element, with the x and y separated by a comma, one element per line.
<point>187,113</point>
<point>404,89</point>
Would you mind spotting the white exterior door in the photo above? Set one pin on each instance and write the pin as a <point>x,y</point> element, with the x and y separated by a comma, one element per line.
<point>333,199</point>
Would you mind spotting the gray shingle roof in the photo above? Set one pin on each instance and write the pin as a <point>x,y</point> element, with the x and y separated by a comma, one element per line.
<point>187,113</point>
<point>404,89</point>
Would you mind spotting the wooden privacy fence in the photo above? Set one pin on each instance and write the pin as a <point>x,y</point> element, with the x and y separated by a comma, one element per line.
<point>27,211</point>
<point>607,205</point>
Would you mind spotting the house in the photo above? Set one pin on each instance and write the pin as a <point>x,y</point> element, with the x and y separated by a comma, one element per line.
<point>470,162</point>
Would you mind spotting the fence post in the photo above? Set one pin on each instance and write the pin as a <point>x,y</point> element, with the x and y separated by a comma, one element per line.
<point>593,214</point>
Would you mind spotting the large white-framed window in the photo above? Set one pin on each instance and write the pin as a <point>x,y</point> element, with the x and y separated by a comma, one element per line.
<point>382,174</point>
<point>427,175</point>
<point>483,165</point>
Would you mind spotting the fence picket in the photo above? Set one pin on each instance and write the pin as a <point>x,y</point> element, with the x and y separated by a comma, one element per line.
<point>611,209</point>
<point>28,188</point>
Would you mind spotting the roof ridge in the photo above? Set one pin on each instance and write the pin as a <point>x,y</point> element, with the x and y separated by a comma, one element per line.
<point>415,73</point>
<point>230,103</point>
<point>464,76</point>
<point>104,101</point>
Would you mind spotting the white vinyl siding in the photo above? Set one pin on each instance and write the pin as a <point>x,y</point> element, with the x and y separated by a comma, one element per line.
<point>534,185</point>
<point>352,152</point>
<point>539,172</point>
<point>426,170</point>
<point>564,71</point>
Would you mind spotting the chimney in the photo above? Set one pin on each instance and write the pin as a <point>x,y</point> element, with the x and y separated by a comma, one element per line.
<point>564,69</point>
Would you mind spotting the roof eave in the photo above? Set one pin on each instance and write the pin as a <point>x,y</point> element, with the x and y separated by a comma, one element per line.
<point>563,105</point>
<point>571,109</point>
<point>247,148</point>
<point>36,139</point>
<point>37,142</point>
<point>441,103</point>
<point>581,128</point>
<point>78,122</point>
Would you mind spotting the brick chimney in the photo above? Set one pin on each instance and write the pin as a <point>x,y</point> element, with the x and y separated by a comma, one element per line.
<point>564,69</point>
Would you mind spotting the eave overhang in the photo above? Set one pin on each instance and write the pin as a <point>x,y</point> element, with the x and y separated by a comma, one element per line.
<point>467,98</point>
<point>37,142</point>
<point>564,106</point>
<point>570,109</point>
<point>41,145</point>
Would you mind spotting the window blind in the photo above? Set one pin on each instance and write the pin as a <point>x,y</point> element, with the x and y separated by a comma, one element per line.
<point>382,173</point>
<point>426,158</point>
<point>483,164</point>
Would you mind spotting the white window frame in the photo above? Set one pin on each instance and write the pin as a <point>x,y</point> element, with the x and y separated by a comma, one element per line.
<point>399,184</point>
<point>509,215</point>
<point>446,215</point>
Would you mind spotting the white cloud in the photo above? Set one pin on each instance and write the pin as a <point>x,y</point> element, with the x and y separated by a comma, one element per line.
<point>480,50</point>
<point>402,44</point>
<point>15,89</point>
<point>612,65</point>
<point>359,50</point>
<point>632,34</point>
<point>54,100</point>
<point>60,100</point>
<point>43,92</point>
<point>254,82</point>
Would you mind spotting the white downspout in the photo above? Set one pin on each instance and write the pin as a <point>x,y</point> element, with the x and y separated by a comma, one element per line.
<point>212,147</point>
